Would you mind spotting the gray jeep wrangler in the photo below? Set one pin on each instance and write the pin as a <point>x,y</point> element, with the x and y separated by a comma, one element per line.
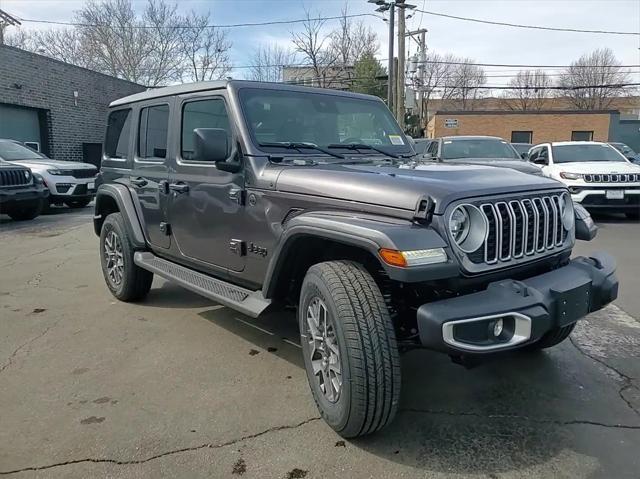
<point>264,195</point>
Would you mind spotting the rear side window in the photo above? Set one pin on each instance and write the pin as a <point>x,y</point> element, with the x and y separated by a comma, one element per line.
<point>152,133</point>
<point>116,144</point>
<point>210,113</point>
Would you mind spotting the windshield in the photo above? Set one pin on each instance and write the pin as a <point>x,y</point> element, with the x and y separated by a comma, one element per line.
<point>324,120</point>
<point>624,149</point>
<point>577,153</point>
<point>15,151</point>
<point>478,148</point>
<point>522,147</point>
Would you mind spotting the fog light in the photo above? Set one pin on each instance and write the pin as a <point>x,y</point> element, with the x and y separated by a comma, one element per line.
<point>498,326</point>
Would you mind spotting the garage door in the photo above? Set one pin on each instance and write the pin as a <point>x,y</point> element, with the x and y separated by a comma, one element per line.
<point>20,124</point>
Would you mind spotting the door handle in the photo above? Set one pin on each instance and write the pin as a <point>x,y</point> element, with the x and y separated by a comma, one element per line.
<point>179,187</point>
<point>139,182</point>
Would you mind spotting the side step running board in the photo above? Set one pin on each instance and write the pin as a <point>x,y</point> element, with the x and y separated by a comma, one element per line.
<point>248,302</point>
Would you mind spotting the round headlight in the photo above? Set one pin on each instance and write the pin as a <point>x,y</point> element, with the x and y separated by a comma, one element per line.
<point>566,212</point>
<point>468,227</point>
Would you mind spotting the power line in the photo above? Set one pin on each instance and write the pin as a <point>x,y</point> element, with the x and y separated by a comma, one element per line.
<point>188,27</point>
<point>532,27</point>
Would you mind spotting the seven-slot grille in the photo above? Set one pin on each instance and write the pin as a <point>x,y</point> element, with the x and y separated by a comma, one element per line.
<point>14,177</point>
<point>612,178</point>
<point>519,228</point>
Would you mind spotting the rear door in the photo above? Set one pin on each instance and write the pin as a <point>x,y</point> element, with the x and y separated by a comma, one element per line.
<point>205,210</point>
<point>150,173</point>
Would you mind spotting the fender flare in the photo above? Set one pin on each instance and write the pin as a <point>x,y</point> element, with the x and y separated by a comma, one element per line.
<point>369,233</point>
<point>122,197</point>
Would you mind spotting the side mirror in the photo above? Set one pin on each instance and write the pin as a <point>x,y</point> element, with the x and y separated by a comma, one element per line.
<point>212,144</point>
<point>586,229</point>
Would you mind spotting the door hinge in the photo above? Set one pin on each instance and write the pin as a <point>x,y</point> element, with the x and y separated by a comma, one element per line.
<point>238,247</point>
<point>165,228</point>
<point>237,195</point>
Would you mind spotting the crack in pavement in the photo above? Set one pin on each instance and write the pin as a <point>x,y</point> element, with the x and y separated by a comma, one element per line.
<point>163,454</point>
<point>627,381</point>
<point>24,345</point>
<point>522,418</point>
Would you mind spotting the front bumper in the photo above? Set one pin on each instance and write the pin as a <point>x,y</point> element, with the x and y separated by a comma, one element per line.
<point>611,197</point>
<point>528,309</point>
<point>15,195</point>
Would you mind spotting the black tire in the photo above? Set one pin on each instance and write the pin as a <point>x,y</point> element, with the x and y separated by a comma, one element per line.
<point>78,203</point>
<point>369,359</point>
<point>553,337</point>
<point>633,215</point>
<point>134,282</point>
<point>28,211</point>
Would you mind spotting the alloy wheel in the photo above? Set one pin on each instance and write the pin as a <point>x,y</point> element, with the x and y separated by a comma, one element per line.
<point>114,258</point>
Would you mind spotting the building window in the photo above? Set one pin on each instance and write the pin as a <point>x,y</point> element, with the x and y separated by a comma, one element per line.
<point>152,135</point>
<point>521,137</point>
<point>116,144</point>
<point>582,136</point>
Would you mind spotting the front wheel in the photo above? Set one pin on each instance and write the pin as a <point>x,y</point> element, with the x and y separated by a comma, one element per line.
<point>27,211</point>
<point>78,203</point>
<point>126,280</point>
<point>349,347</point>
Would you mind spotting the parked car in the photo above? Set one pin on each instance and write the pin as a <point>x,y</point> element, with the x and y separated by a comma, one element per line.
<point>522,149</point>
<point>627,151</point>
<point>22,194</point>
<point>68,182</point>
<point>479,150</point>
<point>259,195</point>
<point>420,145</point>
<point>597,175</point>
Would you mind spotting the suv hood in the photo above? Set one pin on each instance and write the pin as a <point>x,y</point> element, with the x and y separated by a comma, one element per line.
<point>602,167</point>
<point>44,164</point>
<point>402,187</point>
<point>519,165</point>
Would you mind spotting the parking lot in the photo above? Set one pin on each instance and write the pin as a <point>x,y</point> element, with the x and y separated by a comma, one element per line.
<point>176,386</point>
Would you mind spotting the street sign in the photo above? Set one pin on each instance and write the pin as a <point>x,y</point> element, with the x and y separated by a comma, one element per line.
<point>451,123</point>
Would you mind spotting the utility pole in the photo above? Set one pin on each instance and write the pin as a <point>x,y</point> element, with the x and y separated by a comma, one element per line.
<point>400,86</point>
<point>418,69</point>
<point>5,21</point>
<point>384,6</point>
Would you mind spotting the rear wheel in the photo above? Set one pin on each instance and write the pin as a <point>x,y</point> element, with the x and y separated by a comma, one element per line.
<point>28,211</point>
<point>349,347</point>
<point>78,203</point>
<point>553,337</point>
<point>126,280</point>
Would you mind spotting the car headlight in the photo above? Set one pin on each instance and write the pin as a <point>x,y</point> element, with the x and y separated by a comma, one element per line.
<point>57,172</point>
<point>566,212</point>
<point>468,227</point>
<point>570,176</point>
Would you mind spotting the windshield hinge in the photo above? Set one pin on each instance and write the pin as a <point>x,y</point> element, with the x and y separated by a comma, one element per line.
<point>424,209</point>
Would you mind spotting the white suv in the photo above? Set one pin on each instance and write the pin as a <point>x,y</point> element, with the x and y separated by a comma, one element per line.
<point>598,175</point>
<point>69,182</point>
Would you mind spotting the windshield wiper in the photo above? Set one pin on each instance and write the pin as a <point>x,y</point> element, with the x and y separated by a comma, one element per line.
<point>362,146</point>
<point>292,145</point>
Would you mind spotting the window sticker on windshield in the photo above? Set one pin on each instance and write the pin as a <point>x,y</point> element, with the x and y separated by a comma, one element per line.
<point>396,140</point>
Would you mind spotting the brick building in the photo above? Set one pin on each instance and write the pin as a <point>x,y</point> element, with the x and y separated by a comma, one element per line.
<point>537,126</point>
<point>56,107</point>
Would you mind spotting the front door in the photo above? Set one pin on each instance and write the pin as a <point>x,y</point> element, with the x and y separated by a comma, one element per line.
<point>205,208</point>
<point>150,174</point>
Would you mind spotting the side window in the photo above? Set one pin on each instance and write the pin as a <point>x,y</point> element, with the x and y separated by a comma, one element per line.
<point>433,148</point>
<point>152,133</point>
<point>534,154</point>
<point>116,143</point>
<point>211,113</point>
<point>544,153</point>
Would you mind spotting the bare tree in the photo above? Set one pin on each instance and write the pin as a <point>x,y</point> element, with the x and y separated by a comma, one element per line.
<point>20,39</point>
<point>529,90</point>
<point>352,40</point>
<point>432,77</point>
<point>206,49</point>
<point>594,80</point>
<point>268,62</point>
<point>462,82</point>
<point>62,44</point>
<point>312,43</point>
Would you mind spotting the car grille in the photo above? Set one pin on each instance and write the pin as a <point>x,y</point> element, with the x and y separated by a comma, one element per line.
<point>519,230</point>
<point>84,173</point>
<point>612,178</point>
<point>14,177</point>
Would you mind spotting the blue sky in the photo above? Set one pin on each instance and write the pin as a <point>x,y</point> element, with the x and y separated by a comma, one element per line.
<point>484,43</point>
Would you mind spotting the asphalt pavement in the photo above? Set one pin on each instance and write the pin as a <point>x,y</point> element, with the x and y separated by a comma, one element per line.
<point>176,386</point>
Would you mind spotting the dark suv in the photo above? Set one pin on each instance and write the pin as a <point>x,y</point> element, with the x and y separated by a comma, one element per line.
<point>22,194</point>
<point>264,195</point>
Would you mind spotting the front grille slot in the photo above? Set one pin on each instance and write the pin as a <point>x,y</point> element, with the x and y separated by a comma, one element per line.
<point>84,173</point>
<point>520,228</point>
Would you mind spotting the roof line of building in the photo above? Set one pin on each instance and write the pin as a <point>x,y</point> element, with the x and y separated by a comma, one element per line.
<point>70,64</point>
<point>524,112</point>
